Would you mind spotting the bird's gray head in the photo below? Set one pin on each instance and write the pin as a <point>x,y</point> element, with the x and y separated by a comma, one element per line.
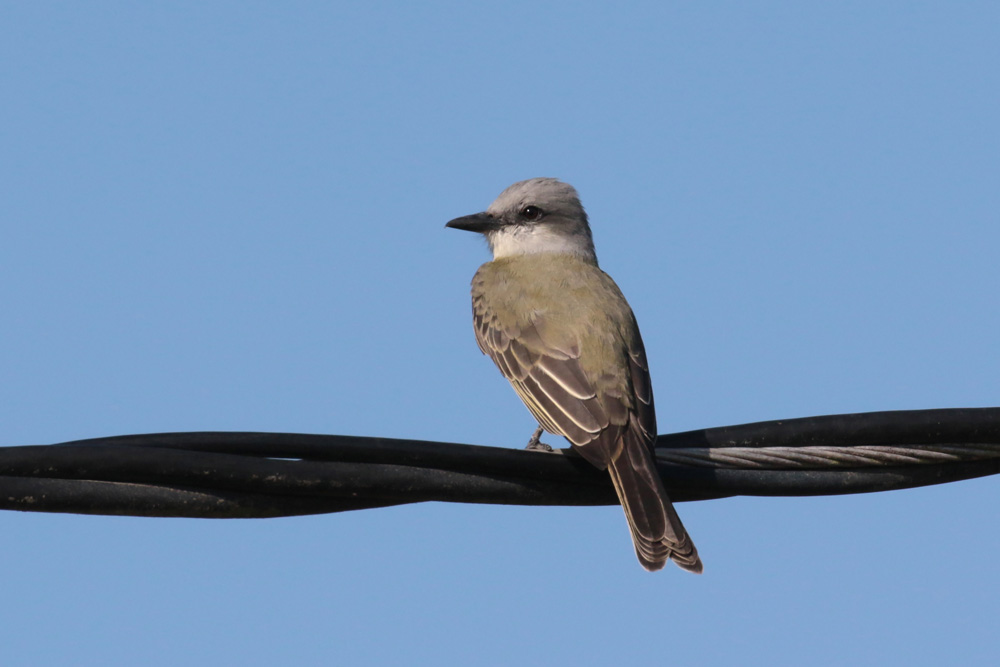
<point>540,215</point>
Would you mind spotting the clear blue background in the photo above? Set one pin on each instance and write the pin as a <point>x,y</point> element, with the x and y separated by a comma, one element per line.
<point>229,216</point>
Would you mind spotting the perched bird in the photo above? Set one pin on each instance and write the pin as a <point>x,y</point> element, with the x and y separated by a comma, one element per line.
<point>562,333</point>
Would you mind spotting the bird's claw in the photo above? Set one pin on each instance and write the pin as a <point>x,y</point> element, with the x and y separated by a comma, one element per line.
<point>535,444</point>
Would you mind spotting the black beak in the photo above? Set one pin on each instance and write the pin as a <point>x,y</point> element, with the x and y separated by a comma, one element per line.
<point>477,222</point>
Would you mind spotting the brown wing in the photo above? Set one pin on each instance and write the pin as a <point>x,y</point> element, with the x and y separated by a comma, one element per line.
<point>642,388</point>
<point>553,386</point>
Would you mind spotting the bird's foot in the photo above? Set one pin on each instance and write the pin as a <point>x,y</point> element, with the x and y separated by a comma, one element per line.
<point>535,444</point>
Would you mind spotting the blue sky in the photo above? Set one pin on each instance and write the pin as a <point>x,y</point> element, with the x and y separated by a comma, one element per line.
<point>229,216</point>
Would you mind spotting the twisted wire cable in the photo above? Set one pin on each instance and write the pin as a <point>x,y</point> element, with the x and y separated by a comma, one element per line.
<point>819,458</point>
<point>253,475</point>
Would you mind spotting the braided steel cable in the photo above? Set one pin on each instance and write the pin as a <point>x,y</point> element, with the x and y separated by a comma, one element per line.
<point>819,458</point>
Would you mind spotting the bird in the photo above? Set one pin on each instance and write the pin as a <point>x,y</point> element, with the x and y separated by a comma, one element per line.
<point>560,330</point>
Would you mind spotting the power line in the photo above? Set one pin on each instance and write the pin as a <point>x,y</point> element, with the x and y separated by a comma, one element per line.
<point>245,475</point>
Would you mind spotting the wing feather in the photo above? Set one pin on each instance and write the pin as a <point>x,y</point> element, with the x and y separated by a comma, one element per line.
<point>642,388</point>
<point>588,415</point>
<point>525,358</point>
<point>535,407</point>
<point>569,376</point>
<point>550,382</point>
<point>565,424</point>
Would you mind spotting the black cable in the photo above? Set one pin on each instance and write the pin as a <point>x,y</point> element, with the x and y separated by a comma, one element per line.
<point>244,475</point>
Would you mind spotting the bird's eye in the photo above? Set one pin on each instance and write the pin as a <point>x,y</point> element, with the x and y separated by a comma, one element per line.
<point>532,213</point>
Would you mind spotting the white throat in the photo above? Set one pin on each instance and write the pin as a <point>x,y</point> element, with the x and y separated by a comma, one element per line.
<point>509,241</point>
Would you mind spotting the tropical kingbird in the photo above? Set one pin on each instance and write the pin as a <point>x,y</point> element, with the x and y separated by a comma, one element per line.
<point>562,333</point>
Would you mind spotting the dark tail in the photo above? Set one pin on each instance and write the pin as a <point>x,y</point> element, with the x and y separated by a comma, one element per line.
<point>657,531</point>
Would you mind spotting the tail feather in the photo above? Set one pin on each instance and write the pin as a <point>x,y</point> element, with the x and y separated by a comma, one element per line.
<point>657,531</point>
